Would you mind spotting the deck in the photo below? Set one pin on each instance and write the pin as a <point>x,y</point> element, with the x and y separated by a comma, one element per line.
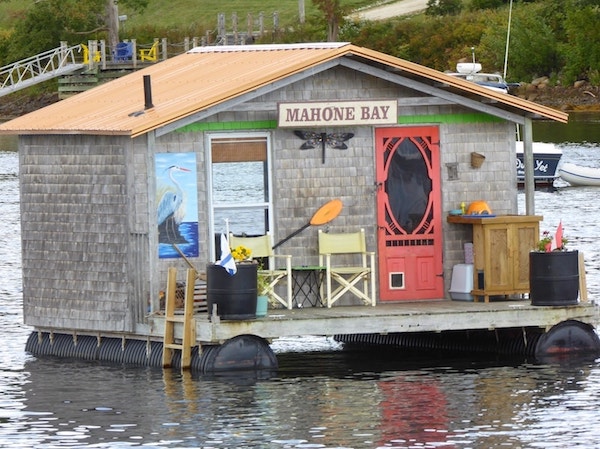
<point>421,316</point>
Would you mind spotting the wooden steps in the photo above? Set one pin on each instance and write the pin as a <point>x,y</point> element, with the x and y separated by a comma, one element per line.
<point>187,319</point>
<point>73,84</point>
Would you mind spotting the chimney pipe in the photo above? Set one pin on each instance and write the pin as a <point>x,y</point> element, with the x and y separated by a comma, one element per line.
<point>147,93</point>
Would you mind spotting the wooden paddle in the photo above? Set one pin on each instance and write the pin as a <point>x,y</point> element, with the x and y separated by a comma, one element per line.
<point>199,275</point>
<point>323,215</point>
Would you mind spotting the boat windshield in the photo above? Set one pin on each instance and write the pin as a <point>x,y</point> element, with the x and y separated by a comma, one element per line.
<point>484,78</point>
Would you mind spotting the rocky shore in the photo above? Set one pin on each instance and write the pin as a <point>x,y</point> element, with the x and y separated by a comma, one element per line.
<point>580,97</point>
<point>17,104</point>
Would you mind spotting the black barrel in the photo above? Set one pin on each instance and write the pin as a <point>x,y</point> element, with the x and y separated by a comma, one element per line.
<point>554,278</point>
<point>235,295</point>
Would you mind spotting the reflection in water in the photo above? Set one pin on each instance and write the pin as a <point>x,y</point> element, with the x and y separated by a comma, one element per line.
<point>8,143</point>
<point>240,183</point>
<point>413,409</point>
<point>336,400</point>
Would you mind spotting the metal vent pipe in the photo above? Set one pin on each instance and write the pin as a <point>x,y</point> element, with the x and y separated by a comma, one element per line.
<point>147,93</point>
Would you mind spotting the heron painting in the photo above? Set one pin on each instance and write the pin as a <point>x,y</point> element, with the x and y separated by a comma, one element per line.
<point>176,204</point>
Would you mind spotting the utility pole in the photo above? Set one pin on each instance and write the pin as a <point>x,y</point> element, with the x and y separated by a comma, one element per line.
<point>112,22</point>
<point>507,40</point>
<point>301,11</point>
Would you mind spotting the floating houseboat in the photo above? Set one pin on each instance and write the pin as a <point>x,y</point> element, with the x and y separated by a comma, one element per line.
<point>128,188</point>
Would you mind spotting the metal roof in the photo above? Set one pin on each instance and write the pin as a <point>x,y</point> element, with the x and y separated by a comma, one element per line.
<point>205,80</point>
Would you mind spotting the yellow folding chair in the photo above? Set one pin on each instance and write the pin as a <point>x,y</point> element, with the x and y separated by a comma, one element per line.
<point>262,247</point>
<point>357,279</point>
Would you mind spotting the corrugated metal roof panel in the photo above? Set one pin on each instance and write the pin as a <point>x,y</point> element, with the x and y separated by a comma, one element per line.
<point>207,76</point>
<point>464,85</point>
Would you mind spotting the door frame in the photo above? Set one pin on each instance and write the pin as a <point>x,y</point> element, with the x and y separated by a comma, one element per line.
<point>410,264</point>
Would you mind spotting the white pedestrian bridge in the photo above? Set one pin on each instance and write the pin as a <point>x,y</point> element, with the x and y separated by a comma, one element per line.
<point>39,68</point>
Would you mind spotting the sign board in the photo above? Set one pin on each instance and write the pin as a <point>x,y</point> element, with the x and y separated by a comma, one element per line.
<point>338,113</point>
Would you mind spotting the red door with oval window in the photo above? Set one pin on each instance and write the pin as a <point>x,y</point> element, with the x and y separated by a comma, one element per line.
<point>409,217</point>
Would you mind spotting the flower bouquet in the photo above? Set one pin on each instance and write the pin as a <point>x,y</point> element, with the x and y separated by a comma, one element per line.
<point>549,243</point>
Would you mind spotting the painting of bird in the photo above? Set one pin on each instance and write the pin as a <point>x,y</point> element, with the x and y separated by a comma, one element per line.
<point>171,208</point>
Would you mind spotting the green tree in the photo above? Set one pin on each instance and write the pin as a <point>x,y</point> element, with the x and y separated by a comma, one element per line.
<point>581,52</point>
<point>47,22</point>
<point>532,48</point>
<point>334,15</point>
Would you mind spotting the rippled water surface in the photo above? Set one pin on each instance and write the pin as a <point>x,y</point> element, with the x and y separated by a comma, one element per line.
<point>321,397</point>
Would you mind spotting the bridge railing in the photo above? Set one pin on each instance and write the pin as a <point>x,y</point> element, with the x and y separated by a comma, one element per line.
<point>46,63</point>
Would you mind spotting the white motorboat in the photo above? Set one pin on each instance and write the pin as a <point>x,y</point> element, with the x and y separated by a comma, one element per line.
<point>471,71</point>
<point>578,175</point>
<point>546,157</point>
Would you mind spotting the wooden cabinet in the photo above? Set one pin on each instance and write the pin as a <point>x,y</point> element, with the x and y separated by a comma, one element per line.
<point>501,247</point>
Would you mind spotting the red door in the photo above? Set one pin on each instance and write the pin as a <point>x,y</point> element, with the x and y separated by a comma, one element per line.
<point>409,218</point>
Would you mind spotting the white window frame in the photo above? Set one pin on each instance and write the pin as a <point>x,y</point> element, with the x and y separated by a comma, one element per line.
<point>267,205</point>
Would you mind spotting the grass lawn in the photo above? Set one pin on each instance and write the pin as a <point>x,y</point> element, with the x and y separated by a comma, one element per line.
<point>194,13</point>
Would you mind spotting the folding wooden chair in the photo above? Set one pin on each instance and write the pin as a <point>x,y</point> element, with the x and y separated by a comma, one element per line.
<point>262,247</point>
<point>149,54</point>
<point>358,279</point>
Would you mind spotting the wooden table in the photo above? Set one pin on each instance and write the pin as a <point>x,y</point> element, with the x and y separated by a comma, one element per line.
<point>501,247</point>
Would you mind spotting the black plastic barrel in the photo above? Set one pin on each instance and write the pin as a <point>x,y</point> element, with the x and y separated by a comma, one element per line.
<point>554,278</point>
<point>235,295</point>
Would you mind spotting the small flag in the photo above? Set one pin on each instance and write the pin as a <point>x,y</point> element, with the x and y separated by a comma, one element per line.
<point>227,261</point>
<point>557,241</point>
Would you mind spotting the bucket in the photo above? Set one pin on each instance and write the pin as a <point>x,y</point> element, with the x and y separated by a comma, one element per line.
<point>477,159</point>
<point>554,278</point>
<point>262,304</point>
<point>462,282</point>
<point>235,296</point>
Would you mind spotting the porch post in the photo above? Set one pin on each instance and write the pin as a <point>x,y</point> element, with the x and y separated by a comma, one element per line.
<point>528,162</point>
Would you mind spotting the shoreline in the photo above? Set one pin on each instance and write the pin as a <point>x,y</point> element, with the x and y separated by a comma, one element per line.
<point>581,97</point>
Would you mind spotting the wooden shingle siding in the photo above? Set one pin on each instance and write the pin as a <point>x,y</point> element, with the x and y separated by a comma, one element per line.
<point>302,182</point>
<point>74,228</point>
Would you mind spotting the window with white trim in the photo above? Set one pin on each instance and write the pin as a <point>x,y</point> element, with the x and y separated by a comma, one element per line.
<point>240,184</point>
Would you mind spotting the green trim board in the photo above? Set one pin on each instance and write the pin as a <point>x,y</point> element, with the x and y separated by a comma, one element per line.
<point>228,126</point>
<point>447,119</point>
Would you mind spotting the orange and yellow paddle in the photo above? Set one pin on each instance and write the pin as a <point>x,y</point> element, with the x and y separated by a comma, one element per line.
<point>323,215</point>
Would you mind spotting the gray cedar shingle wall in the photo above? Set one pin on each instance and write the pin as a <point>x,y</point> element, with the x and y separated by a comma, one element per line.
<point>74,232</point>
<point>302,183</point>
<point>139,170</point>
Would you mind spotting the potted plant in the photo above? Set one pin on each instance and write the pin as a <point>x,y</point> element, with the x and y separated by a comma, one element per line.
<point>553,272</point>
<point>241,254</point>
<point>262,301</point>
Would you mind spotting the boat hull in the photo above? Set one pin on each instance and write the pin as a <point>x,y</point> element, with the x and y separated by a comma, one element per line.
<point>577,175</point>
<point>546,157</point>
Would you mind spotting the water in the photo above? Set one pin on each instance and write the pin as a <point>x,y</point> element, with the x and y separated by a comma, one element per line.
<point>582,128</point>
<point>321,397</point>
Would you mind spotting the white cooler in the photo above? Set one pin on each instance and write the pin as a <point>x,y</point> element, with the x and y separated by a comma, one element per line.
<point>462,282</point>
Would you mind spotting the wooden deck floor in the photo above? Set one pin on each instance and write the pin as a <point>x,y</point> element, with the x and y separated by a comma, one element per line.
<point>423,316</point>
